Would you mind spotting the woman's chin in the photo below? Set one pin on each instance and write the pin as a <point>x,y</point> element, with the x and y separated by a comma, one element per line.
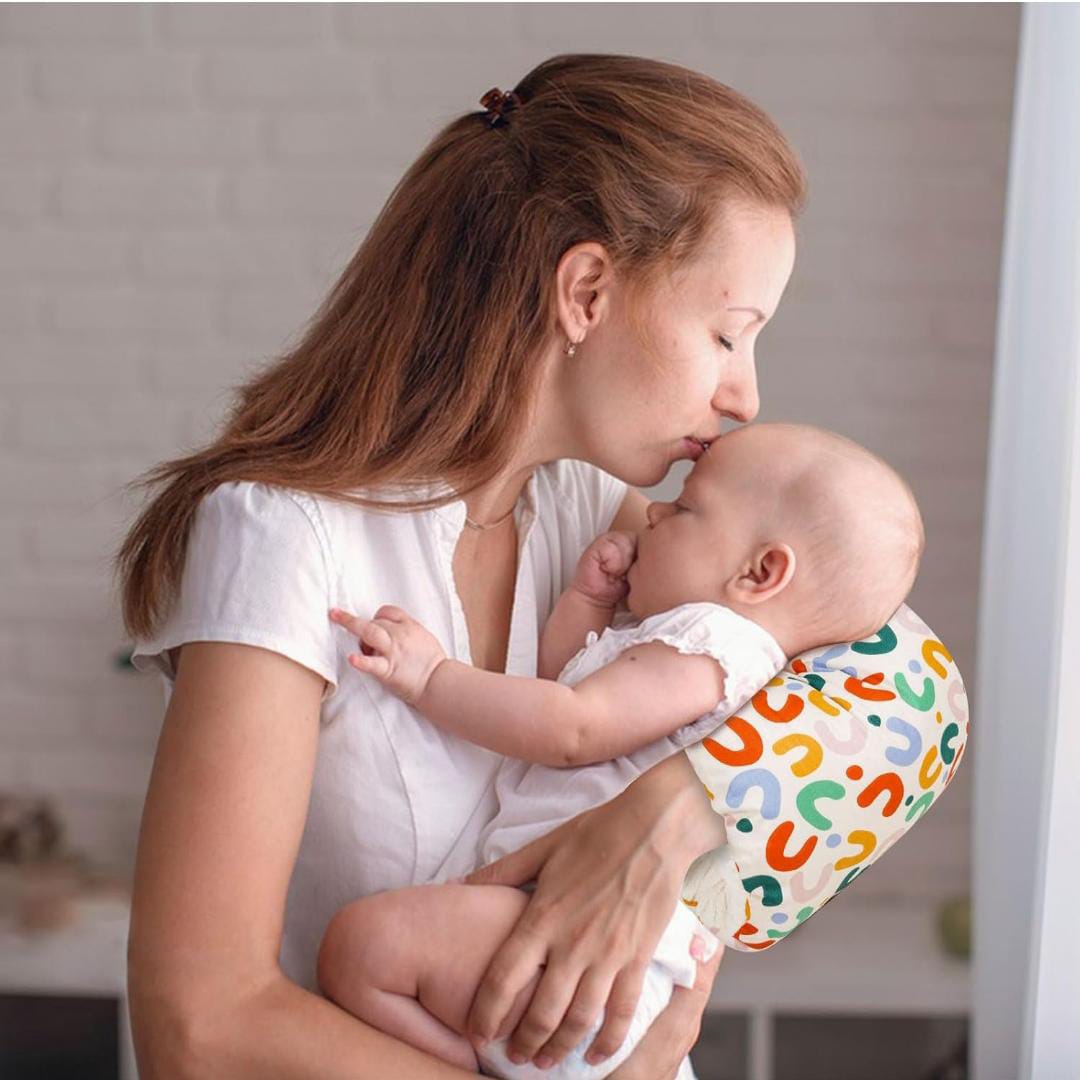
<point>655,471</point>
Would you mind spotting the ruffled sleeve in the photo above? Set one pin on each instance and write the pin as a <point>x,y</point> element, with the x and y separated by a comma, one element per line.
<point>748,653</point>
<point>255,572</point>
<point>820,773</point>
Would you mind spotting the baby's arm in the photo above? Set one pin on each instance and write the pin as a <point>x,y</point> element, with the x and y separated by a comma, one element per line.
<point>647,692</point>
<point>590,601</point>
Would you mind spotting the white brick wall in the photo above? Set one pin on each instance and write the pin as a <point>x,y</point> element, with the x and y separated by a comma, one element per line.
<point>179,183</point>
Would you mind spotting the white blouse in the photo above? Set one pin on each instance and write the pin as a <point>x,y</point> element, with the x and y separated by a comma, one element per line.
<point>392,795</point>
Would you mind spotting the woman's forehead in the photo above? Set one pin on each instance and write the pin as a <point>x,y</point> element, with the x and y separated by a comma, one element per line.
<point>748,264</point>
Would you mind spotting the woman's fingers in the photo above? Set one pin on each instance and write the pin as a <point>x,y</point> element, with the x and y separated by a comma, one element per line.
<point>592,992</point>
<point>509,972</point>
<point>673,1033</point>
<point>621,1006</point>
<point>544,1015</point>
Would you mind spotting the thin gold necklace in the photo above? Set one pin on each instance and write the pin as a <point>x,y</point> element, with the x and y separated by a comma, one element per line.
<point>483,528</point>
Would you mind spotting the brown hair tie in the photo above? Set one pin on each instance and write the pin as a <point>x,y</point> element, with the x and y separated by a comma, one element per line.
<point>499,104</point>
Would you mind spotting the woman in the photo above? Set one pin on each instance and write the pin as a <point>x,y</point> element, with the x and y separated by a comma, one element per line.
<point>560,298</point>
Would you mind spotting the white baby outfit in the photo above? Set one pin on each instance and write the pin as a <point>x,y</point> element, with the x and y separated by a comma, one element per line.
<point>534,799</point>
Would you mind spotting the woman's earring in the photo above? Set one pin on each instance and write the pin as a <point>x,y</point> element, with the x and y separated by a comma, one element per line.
<point>571,347</point>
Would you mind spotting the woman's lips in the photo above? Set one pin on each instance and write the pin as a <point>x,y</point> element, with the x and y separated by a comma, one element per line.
<point>695,448</point>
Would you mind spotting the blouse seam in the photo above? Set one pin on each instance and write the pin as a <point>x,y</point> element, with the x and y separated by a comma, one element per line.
<point>401,779</point>
<point>321,535</point>
<point>322,538</point>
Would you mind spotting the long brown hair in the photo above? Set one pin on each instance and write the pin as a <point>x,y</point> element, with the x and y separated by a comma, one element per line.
<point>420,363</point>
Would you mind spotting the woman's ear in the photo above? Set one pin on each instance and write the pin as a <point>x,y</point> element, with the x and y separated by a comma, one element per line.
<point>582,281</point>
<point>769,572</point>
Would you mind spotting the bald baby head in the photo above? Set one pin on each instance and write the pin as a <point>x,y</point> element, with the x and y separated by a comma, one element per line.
<point>851,520</point>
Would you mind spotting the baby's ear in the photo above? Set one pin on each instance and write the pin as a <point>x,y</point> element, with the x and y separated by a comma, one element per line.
<point>769,571</point>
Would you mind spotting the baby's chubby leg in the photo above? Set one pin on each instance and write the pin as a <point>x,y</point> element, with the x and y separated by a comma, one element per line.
<point>409,961</point>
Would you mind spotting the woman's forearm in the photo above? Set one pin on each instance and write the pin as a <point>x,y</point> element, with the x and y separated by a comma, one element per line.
<point>672,810</point>
<point>288,1033</point>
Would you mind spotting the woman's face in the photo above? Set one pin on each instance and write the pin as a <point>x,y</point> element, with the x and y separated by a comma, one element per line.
<point>633,413</point>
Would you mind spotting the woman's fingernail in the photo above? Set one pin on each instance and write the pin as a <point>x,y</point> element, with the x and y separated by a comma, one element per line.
<point>544,1062</point>
<point>594,1057</point>
<point>516,1056</point>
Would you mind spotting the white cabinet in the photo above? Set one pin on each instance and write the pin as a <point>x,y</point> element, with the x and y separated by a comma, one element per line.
<point>88,959</point>
<point>851,961</point>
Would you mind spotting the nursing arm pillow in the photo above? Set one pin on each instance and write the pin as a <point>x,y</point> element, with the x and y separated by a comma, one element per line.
<point>820,773</point>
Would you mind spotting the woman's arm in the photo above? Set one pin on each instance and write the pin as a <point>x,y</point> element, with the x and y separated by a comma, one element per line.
<point>220,831</point>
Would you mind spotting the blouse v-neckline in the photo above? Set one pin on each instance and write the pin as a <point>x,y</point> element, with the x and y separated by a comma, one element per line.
<point>521,641</point>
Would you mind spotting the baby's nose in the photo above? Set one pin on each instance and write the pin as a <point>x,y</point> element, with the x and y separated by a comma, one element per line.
<point>657,511</point>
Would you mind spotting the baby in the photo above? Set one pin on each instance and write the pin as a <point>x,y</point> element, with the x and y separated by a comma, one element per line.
<point>785,537</point>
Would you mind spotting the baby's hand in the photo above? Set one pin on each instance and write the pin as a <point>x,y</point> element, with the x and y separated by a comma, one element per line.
<point>601,570</point>
<point>397,650</point>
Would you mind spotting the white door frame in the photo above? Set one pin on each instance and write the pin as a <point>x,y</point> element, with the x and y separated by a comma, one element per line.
<point>1025,734</point>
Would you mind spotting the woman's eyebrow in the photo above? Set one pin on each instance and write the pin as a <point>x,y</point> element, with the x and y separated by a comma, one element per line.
<point>760,315</point>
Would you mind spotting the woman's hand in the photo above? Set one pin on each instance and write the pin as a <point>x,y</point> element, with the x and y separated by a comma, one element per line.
<point>671,1036</point>
<point>397,650</point>
<point>607,884</point>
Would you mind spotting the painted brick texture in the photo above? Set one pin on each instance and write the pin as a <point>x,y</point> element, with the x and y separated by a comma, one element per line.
<point>179,184</point>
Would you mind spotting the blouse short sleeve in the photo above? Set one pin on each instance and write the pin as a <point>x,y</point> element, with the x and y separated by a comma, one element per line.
<point>255,573</point>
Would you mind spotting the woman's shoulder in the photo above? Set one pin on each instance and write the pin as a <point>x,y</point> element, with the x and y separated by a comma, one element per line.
<point>240,499</point>
<point>279,521</point>
<point>256,572</point>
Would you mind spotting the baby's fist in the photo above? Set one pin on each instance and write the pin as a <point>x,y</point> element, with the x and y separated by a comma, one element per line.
<point>601,571</point>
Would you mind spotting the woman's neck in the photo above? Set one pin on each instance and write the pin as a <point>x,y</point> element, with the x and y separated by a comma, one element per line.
<point>494,500</point>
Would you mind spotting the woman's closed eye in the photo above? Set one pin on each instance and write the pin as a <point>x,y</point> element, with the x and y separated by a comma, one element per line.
<point>724,341</point>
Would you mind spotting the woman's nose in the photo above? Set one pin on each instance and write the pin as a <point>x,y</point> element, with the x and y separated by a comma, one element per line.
<point>737,397</point>
<point>657,511</point>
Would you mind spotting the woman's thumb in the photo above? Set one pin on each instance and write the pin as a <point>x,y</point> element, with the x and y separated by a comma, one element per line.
<point>517,868</point>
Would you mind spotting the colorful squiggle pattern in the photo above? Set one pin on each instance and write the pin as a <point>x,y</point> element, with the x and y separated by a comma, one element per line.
<point>820,773</point>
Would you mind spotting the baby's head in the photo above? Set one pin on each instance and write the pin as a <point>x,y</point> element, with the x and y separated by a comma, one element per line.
<point>800,529</point>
